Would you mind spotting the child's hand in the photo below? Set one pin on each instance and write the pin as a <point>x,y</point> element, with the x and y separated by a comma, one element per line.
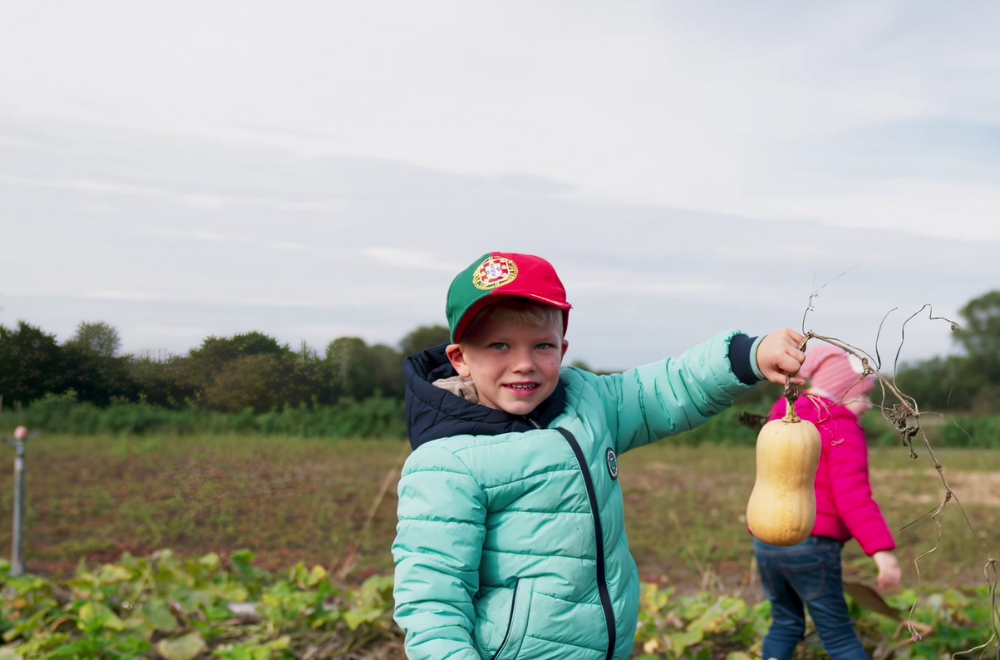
<point>778,356</point>
<point>888,569</point>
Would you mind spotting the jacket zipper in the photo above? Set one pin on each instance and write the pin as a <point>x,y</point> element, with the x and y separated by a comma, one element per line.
<point>510,622</point>
<point>602,580</point>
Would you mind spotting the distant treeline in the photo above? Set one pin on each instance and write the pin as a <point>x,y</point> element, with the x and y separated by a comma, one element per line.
<point>250,371</point>
<point>968,381</point>
<point>980,431</point>
<point>380,417</point>
<point>251,382</point>
<point>375,417</point>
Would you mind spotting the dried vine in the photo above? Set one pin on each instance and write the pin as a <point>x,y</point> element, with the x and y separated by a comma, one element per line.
<point>904,417</point>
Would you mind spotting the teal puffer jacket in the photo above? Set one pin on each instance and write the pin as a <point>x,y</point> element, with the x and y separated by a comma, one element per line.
<point>511,539</point>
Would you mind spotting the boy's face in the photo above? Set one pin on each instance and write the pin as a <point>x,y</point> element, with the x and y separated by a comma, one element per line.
<point>514,365</point>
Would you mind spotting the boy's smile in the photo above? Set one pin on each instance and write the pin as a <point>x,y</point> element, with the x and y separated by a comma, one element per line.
<point>514,365</point>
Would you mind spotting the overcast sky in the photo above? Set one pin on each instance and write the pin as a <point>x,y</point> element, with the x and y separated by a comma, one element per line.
<point>318,169</point>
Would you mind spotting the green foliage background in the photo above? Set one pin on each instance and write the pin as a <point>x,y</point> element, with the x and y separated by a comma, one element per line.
<point>251,383</point>
<point>250,371</point>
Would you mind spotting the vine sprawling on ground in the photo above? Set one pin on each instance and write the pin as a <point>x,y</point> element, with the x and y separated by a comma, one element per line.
<point>163,606</point>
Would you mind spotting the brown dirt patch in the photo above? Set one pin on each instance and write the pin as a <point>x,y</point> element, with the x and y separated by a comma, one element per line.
<point>970,488</point>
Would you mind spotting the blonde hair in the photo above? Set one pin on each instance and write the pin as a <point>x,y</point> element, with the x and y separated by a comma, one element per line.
<point>519,310</point>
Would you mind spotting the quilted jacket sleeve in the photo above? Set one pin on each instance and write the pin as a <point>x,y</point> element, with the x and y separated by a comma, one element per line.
<point>852,491</point>
<point>671,396</point>
<point>439,541</point>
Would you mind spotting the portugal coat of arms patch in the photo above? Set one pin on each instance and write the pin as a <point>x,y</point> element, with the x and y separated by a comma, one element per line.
<point>494,273</point>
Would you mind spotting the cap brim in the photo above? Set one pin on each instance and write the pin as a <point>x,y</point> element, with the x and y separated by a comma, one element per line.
<point>473,310</point>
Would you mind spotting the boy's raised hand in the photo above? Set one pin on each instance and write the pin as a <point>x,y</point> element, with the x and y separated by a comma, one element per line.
<point>778,356</point>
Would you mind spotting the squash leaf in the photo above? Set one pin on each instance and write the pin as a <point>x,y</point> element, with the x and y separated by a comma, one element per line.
<point>185,647</point>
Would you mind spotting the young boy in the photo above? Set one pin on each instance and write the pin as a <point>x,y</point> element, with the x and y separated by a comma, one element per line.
<point>511,537</point>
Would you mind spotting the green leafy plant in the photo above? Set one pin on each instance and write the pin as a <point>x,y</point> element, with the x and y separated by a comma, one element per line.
<point>172,608</point>
<point>703,626</point>
<point>181,609</point>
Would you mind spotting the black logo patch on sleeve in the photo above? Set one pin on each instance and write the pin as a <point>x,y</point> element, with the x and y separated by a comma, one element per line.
<point>612,462</point>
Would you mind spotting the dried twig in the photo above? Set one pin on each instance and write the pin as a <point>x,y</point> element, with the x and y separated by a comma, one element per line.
<point>930,313</point>
<point>350,559</point>
<point>878,335</point>
<point>904,416</point>
<point>815,294</point>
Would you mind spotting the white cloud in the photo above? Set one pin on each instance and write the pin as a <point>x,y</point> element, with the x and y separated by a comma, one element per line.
<point>642,284</point>
<point>132,296</point>
<point>78,185</point>
<point>289,246</point>
<point>197,235</point>
<point>694,108</point>
<point>143,296</point>
<point>411,259</point>
<point>196,332</point>
<point>232,238</point>
<point>21,143</point>
<point>706,152</point>
<point>941,209</point>
<point>198,200</point>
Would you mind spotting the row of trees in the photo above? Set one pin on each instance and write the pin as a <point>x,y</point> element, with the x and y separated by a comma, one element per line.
<point>970,380</point>
<point>254,370</point>
<point>230,374</point>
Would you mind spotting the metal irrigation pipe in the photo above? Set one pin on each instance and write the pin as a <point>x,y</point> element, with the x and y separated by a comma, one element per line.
<point>20,437</point>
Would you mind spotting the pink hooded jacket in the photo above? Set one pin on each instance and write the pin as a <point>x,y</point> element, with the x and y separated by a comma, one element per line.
<point>844,504</point>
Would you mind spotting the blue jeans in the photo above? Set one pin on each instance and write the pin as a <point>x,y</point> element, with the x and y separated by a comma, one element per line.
<point>806,574</point>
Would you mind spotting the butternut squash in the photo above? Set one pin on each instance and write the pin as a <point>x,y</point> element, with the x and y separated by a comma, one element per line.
<point>782,506</point>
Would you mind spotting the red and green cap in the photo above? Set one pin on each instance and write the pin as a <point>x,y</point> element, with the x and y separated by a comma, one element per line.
<point>500,275</point>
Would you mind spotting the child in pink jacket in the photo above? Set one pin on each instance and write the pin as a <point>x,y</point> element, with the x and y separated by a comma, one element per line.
<point>810,573</point>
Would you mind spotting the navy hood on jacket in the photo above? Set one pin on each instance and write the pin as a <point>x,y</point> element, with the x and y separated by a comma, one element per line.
<point>433,412</point>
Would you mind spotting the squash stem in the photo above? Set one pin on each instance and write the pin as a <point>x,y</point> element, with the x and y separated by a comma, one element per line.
<point>791,392</point>
<point>791,396</point>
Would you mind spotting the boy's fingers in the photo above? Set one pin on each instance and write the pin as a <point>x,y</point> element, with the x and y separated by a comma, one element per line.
<point>784,366</point>
<point>779,376</point>
<point>788,364</point>
<point>794,336</point>
<point>796,355</point>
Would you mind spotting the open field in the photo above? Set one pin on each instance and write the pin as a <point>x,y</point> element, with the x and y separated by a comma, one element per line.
<point>307,499</point>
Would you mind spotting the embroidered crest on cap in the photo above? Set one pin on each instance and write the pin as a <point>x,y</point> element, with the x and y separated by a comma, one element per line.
<point>494,273</point>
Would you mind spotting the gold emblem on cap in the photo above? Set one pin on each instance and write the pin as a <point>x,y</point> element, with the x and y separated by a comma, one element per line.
<point>494,273</point>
